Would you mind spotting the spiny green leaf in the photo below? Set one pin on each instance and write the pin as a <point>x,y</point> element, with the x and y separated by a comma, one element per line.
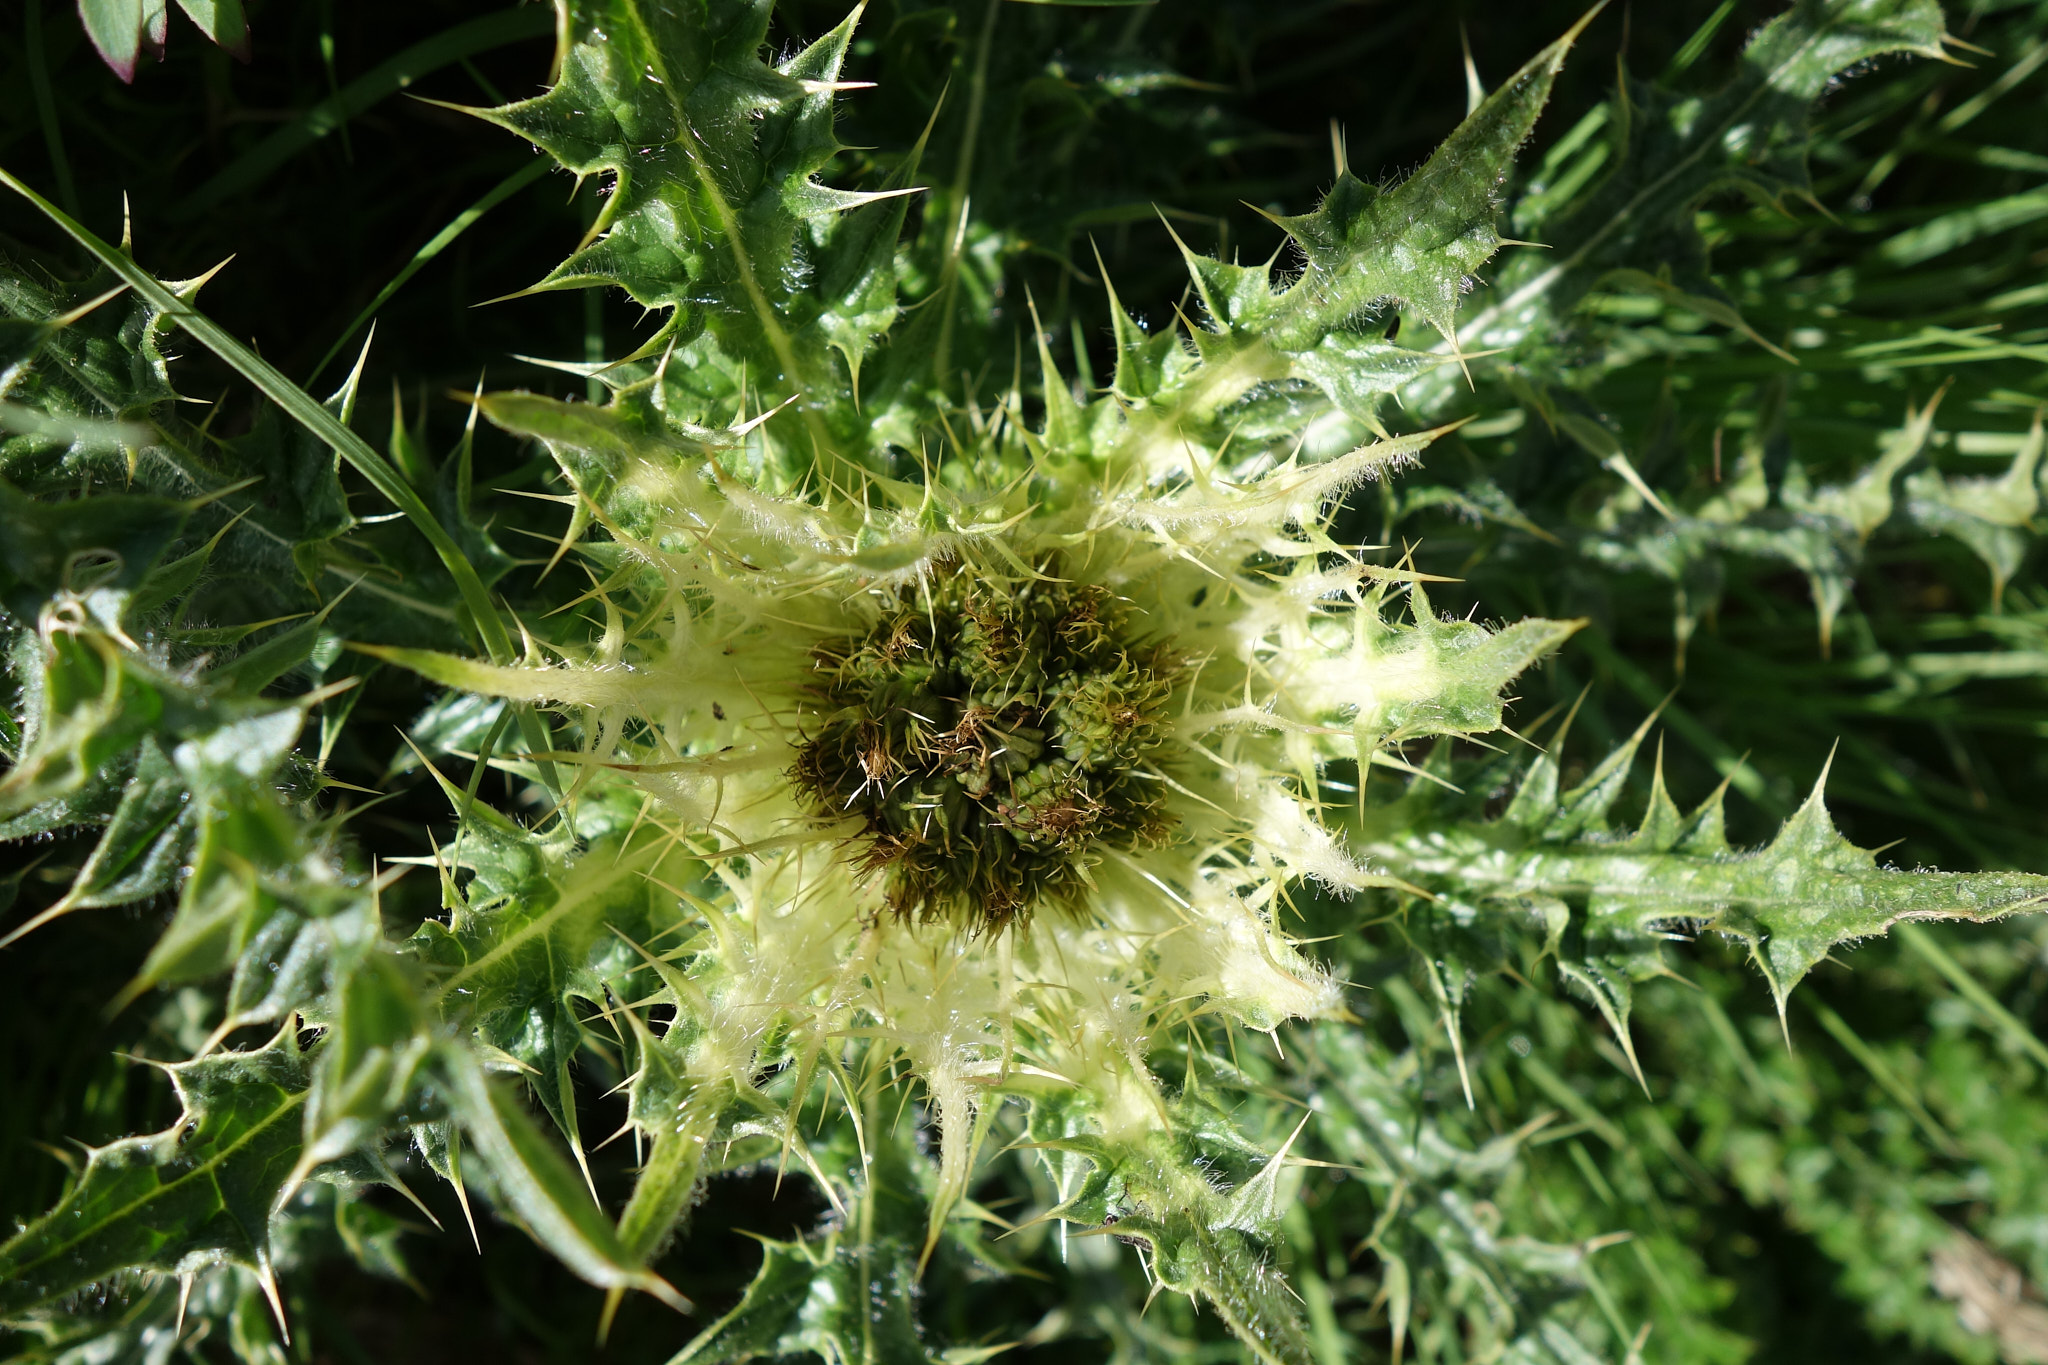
<point>1822,531</point>
<point>762,1320</point>
<point>87,706</point>
<point>1476,664</point>
<point>302,407</point>
<point>1413,246</point>
<point>522,945</point>
<point>1440,1262</point>
<point>109,542</point>
<point>1993,516</point>
<point>139,853</point>
<point>1791,900</point>
<point>253,863</point>
<point>1416,244</point>
<point>376,1042</point>
<point>848,1293</point>
<point>677,1115</point>
<point>87,349</point>
<point>713,153</point>
<point>197,1193</point>
<point>1205,1242</point>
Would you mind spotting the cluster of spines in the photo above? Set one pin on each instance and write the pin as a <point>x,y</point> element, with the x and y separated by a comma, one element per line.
<point>991,736</point>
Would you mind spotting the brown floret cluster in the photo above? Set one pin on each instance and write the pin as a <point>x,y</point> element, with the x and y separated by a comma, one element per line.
<point>994,737</point>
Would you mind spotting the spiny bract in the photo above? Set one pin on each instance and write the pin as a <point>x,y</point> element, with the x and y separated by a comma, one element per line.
<point>1197,656</point>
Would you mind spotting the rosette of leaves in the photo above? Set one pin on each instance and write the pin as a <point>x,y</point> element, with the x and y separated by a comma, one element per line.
<point>984,736</point>
<point>800,557</point>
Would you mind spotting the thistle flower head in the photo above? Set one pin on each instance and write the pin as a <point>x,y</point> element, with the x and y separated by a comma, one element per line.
<point>998,766</point>
<point>1009,783</point>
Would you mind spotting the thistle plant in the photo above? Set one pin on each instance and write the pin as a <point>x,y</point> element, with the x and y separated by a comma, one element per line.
<point>1007,773</point>
<point>930,770</point>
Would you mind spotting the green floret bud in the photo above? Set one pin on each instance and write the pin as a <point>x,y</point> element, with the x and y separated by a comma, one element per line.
<point>992,737</point>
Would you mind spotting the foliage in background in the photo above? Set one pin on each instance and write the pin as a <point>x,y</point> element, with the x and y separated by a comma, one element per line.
<point>1764,415</point>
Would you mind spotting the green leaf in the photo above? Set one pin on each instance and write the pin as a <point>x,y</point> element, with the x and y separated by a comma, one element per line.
<point>1207,1240</point>
<point>222,21</point>
<point>253,862</point>
<point>539,1185</point>
<point>716,214</point>
<point>1417,244</point>
<point>374,1240</point>
<point>618,94</point>
<point>762,1322</point>
<point>1820,531</point>
<point>87,707</point>
<point>200,1192</point>
<point>108,542</point>
<point>850,1292</point>
<point>1390,1117</point>
<point>1790,901</point>
<point>255,669</point>
<point>525,940</point>
<point>121,29</point>
<point>678,1116</point>
<point>141,852</point>
<point>172,581</point>
<point>304,502</point>
<point>712,151</point>
<point>84,350</point>
<point>599,448</point>
<point>1470,664</point>
<point>1993,516</point>
<point>1363,249</point>
<point>118,29</point>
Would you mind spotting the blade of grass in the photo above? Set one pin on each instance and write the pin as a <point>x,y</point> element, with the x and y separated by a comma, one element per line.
<point>1838,1028</point>
<point>1920,941</point>
<point>483,82</point>
<point>348,151</point>
<point>443,49</point>
<point>1696,45</point>
<point>1572,1102</point>
<point>440,242</point>
<point>46,106</point>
